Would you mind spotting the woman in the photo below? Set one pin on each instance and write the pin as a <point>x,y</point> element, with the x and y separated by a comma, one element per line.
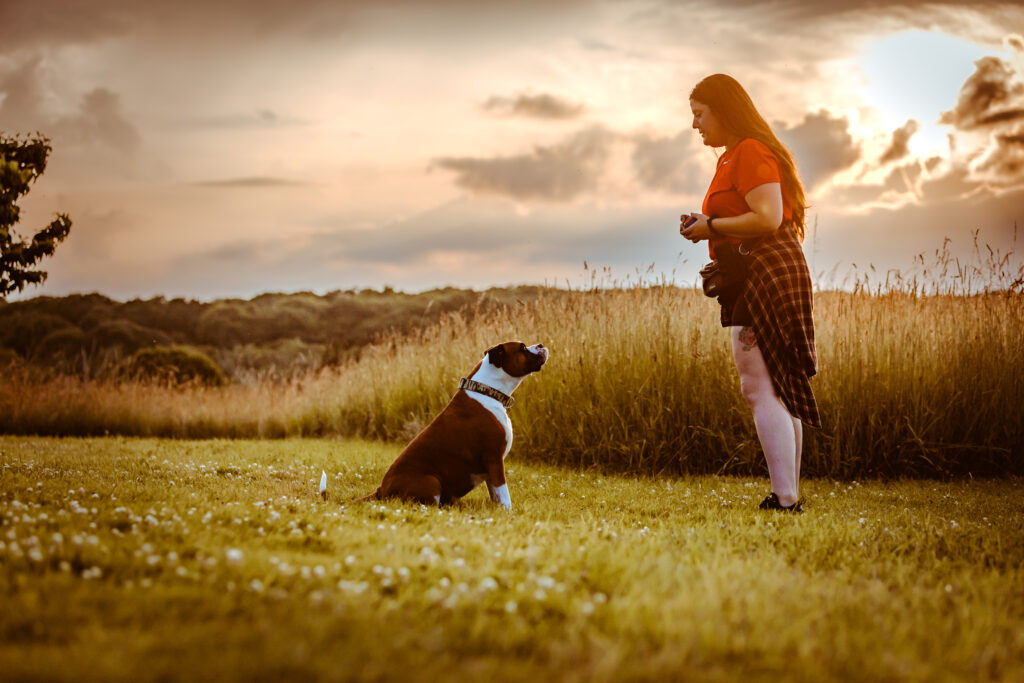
<point>756,203</point>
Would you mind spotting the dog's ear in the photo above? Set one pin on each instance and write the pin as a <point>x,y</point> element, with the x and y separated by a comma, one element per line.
<point>496,355</point>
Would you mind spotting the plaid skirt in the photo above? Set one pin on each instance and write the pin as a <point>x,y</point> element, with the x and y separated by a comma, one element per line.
<point>776,302</point>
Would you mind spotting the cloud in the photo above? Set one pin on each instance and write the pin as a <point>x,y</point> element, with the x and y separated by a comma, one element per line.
<point>31,24</point>
<point>264,118</point>
<point>543,106</point>
<point>483,229</point>
<point>1003,161</point>
<point>97,121</point>
<point>22,96</point>
<point>257,182</point>
<point>70,22</point>
<point>822,146</point>
<point>900,186</point>
<point>992,101</point>
<point>899,147</point>
<point>55,23</point>
<point>801,9</point>
<point>993,94</point>
<point>666,163</point>
<point>560,172</point>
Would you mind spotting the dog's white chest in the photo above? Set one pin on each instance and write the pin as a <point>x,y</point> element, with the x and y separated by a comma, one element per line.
<point>499,412</point>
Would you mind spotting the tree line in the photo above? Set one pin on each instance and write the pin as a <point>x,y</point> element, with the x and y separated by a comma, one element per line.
<point>92,335</point>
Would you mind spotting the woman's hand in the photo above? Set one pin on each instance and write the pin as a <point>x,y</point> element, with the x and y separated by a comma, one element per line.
<point>694,227</point>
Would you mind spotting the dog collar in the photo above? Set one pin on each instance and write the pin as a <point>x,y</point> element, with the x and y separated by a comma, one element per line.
<point>473,385</point>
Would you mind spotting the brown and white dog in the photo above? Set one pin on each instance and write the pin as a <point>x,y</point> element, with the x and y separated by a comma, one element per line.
<point>467,442</point>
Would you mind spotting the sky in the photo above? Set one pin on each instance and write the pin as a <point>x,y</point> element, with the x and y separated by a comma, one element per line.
<point>226,149</point>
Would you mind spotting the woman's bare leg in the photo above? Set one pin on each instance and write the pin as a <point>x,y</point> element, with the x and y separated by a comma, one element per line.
<point>780,434</point>
<point>798,431</point>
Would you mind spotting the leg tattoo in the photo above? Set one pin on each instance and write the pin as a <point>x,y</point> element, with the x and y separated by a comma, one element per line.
<point>747,338</point>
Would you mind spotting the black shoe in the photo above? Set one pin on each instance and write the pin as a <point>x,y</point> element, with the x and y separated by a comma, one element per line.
<point>772,503</point>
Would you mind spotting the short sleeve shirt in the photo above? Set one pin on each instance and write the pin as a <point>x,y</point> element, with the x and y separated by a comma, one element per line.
<point>747,165</point>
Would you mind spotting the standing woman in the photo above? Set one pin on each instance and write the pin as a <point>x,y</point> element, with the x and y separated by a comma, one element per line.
<point>756,203</point>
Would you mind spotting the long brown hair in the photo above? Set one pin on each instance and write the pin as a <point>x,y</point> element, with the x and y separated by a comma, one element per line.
<point>735,110</point>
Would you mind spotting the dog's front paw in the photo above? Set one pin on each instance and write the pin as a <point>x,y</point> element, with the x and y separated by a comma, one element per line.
<point>499,495</point>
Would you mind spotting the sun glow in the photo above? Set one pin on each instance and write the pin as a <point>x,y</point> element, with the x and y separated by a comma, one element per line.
<point>916,75</point>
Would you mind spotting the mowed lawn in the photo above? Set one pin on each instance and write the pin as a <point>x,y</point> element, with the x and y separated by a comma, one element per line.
<point>145,559</point>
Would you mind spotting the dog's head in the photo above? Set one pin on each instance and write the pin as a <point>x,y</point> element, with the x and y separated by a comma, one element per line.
<point>516,358</point>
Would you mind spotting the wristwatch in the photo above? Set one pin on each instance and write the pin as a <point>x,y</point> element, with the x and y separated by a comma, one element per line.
<point>711,228</point>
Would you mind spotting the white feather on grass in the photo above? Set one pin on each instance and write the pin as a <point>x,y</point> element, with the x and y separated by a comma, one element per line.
<point>323,484</point>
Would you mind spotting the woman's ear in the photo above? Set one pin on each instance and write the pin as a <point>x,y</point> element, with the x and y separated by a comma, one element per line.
<point>496,355</point>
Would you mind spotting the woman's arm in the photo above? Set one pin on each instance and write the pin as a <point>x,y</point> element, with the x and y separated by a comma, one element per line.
<point>764,217</point>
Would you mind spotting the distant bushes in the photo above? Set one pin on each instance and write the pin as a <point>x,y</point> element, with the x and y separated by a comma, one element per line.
<point>64,343</point>
<point>272,335</point>
<point>173,365</point>
<point>21,330</point>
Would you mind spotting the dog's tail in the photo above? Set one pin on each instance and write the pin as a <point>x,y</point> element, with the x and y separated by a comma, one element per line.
<point>373,496</point>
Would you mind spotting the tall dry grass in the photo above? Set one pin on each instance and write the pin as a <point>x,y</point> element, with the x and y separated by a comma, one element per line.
<point>640,379</point>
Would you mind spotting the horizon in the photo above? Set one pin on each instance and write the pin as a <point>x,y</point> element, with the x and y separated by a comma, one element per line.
<point>235,150</point>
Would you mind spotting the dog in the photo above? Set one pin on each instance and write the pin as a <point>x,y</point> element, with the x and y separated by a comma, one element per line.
<point>467,442</point>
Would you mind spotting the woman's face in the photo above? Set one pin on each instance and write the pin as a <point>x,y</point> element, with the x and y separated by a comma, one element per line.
<point>712,133</point>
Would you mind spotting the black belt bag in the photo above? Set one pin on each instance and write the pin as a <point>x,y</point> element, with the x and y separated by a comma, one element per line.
<point>726,274</point>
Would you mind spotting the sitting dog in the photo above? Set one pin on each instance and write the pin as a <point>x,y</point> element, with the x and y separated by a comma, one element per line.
<point>467,442</point>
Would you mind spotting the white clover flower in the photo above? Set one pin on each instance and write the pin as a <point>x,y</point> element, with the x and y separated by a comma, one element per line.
<point>233,555</point>
<point>488,584</point>
<point>356,587</point>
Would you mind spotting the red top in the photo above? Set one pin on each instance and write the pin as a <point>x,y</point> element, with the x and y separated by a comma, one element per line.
<point>749,164</point>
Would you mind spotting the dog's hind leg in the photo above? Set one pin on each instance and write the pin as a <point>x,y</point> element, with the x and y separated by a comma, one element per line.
<point>424,489</point>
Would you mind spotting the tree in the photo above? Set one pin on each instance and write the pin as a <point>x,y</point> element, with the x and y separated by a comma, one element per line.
<point>22,161</point>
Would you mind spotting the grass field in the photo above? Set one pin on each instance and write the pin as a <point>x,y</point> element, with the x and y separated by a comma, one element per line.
<point>146,559</point>
<point>641,380</point>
